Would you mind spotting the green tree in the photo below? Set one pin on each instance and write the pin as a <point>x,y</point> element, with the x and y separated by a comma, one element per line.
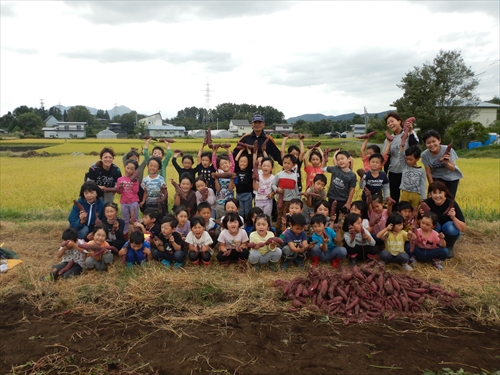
<point>22,109</point>
<point>467,131</point>
<point>56,112</point>
<point>79,113</point>
<point>439,94</point>
<point>496,100</point>
<point>6,121</point>
<point>494,127</point>
<point>104,115</point>
<point>378,125</point>
<point>29,123</point>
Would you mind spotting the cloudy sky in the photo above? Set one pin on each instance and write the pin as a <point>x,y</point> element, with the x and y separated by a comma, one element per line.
<point>300,57</point>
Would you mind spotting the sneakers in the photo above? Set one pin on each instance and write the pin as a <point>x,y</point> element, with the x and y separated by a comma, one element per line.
<point>165,262</point>
<point>352,261</point>
<point>451,254</point>
<point>412,260</point>
<point>285,264</point>
<point>438,265</point>
<point>256,267</point>
<point>273,266</point>
<point>177,265</point>
<point>407,267</point>
<point>335,262</point>
<point>299,262</point>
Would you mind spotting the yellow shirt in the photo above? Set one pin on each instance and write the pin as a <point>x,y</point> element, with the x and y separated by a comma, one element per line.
<point>256,238</point>
<point>395,244</point>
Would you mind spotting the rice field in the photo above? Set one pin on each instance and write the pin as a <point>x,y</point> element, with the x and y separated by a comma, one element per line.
<point>44,187</point>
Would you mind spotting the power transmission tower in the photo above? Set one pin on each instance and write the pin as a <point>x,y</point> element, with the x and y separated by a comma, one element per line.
<point>41,103</point>
<point>207,113</point>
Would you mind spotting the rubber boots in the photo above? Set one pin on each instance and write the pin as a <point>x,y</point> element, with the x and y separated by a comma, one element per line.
<point>315,261</point>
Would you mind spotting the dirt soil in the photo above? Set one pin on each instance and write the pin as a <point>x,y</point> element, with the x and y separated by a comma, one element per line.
<point>246,344</point>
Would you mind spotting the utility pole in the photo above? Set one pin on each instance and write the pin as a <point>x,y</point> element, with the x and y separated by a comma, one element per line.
<point>207,115</point>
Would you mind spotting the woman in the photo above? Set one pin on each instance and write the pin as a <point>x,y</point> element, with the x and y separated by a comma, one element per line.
<point>105,174</point>
<point>439,164</point>
<point>396,164</point>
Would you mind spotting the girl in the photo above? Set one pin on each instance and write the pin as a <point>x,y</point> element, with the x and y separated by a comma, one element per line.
<point>169,244</point>
<point>361,208</point>
<point>358,241</point>
<point>128,188</point>
<point>430,246</point>
<point>224,186</point>
<point>252,214</point>
<point>264,191</point>
<point>267,254</point>
<point>105,174</point>
<point>450,220</point>
<point>136,250</point>
<point>439,164</point>
<point>199,243</point>
<point>186,185</point>
<point>187,166</point>
<point>313,160</point>
<point>152,185</point>
<point>70,253</point>
<point>183,226</point>
<point>233,241</point>
<point>323,208</point>
<point>102,261</point>
<point>205,194</point>
<point>298,152</point>
<point>244,184</point>
<point>377,216</point>
<point>114,226</point>
<point>93,208</point>
<point>395,237</point>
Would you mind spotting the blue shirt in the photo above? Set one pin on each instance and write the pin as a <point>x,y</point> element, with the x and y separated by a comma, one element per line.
<point>330,233</point>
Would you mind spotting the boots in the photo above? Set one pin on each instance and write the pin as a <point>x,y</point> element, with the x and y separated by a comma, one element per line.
<point>273,266</point>
<point>335,262</point>
<point>285,264</point>
<point>207,264</point>
<point>256,267</point>
<point>195,262</point>
<point>299,262</point>
<point>315,261</point>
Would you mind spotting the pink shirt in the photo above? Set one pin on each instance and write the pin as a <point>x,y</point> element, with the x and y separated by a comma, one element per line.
<point>311,172</point>
<point>232,242</point>
<point>231,162</point>
<point>128,190</point>
<point>378,221</point>
<point>429,243</point>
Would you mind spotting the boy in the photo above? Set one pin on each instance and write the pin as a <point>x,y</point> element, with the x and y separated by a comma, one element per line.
<point>298,152</point>
<point>375,179</point>
<point>296,207</point>
<point>224,187</point>
<point>316,193</point>
<point>205,168</point>
<point>343,182</point>
<point>413,181</point>
<point>160,154</point>
<point>205,211</point>
<point>169,244</point>
<point>136,250</point>
<point>285,184</point>
<point>150,222</point>
<point>370,150</point>
<point>295,243</point>
<point>325,249</point>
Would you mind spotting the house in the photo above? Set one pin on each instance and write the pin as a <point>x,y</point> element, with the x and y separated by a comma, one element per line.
<point>487,113</point>
<point>106,134</point>
<point>358,129</point>
<point>166,130</point>
<point>283,128</point>
<point>240,127</point>
<point>51,121</point>
<point>116,128</point>
<point>66,130</point>
<point>152,120</point>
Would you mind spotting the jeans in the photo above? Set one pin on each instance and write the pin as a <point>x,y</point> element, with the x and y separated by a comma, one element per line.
<point>401,258</point>
<point>255,256</point>
<point>75,270</point>
<point>126,211</point>
<point>175,256</point>
<point>362,252</point>
<point>99,265</point>
<point>327,256</point>
<point>136,257</point>
<point>451,233</point>
<point>394,184</point>
<point>204,256</point>
<point>233,256</point>
<point>291,255</point>
<point>245,203</point>
<point>427,255</point>
<point>82,233</point>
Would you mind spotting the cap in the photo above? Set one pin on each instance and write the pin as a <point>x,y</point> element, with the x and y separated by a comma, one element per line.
<point>258,118</point>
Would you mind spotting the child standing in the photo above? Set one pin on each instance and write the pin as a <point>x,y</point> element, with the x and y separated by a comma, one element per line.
<point>205,194</point>
<point>169,244</point>
<point>199,243</point>
<point>136,250</point>
<point>325,249</point>
<point>189,200</point>
<point>187,165</point>
<point>314,194</point>
<point>128,188</point>
<point>233,241</point>
<point>313,160</point>
<point>159,154</point>
<point>358,241</point>
<point>269,254</point>
<point>298,152</point>
<point>430,245</point>
<point>102,261</point>
<point>244,184</point>
<point>368,150</point>
<point>205,168</point>
<point>263,188</point>
<point>114,226</point>
<point>71,255</point>
<point>152,185</point>
<point>395,237</point>
<point>375,180</point>
<point>285,184</point>
<point>224,186</point>
<point>413,181</point>
<point>93,207</point>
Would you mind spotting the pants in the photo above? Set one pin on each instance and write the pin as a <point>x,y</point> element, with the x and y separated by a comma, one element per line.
<point>401,258</point>
<point>306,212</point>
<point>362,252</point>
<point>255,256</point>
<point>451,233</point>
<point>288,254</point>
<point>204,256</point>
<point>126,211</point>
<point>135,257</point>
<point>234,256</point>
<point>427,255</point>
<point>394,184</point>
<point>452,186</point>
<point>75,270</point>
<point>327,256</point>
<point>408,196</point>
<point>99,265</point>
<point>245,204</point>
<point>266,205</point>
<point>175,256</point>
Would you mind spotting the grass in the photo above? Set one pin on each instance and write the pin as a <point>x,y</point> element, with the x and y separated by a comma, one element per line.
<point>492,151</point>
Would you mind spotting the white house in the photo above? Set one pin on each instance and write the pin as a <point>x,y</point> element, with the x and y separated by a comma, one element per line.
<point>166,130</point>
<point>152,120</point>
<point>240,127</point>
<point>107,134</point>
<point>487,113</point>
<point>66,130</point>
<point>51,121</point>
<point>283,128</point>
<point>358,129</point>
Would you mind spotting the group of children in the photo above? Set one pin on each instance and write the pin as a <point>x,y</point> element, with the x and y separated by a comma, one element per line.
<point>322,223</point>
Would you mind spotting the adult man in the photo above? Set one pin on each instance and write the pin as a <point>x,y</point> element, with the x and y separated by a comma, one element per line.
<point>258,124</point>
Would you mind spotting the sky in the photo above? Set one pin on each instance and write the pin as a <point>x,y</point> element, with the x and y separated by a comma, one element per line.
<point>329,57</point>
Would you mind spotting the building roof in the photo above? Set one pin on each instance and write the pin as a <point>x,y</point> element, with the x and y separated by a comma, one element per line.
<point>49,118</point>
<point>241,122</point>
<point>107,131</point>
<point>472,103</point>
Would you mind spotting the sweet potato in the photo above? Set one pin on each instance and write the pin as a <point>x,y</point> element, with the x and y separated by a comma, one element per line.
<point>179,151</point>
<point>225,145</point>
<point>388,136</point>
<point>264,145</point>
<point>446,152</point>
<point>316,145</point>
<point>365,136</point>
<point>78,205</point>
<point>178,189</point>
<point>223,175</point>
<point>67,267</point>
<point>168,140</point>
<point>333,208</point>
<point>245,145</point>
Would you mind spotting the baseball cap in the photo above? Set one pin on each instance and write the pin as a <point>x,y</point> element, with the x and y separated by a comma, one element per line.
<point>258,118</point>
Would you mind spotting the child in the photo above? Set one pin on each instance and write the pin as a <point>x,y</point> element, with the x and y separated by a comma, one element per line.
<point>269,254</point>
<point>378,215</point>
<point>199,243</point>
<point>129,192</point>
<point>71,255</point>
<point>187,166</point>
<point>295,243</point>
<point>395,237</point>
<point>152,185</point>
<point>343,182</point>
<point>224,187</point>
<point>405,209</point>
<point>159,154</point>
<point>367,151</point>
<point>169,244</point>
<point>413,181</point>
<point>186,184</point>
<point>314,194</point>
<point>361,208</point>
<point>136,250</point>
<point>324,208</point>
<point>325,249</point>
<point>102,261</point>
<point>285,183</point>
<point>244,184</point>
<point>296,207</point>
<point>232,205</point>
<point>93,207</point>
<point>205,168</point>
<point>313,160</point>
<point>205,194</point>
<point>298,152</point>
<point>211,227</point>
<point>233,241</point>
<point>250,222</point>
<point>358,241</point>
<point>263,188</point>
<point>114,226</point>
<point>375,180</point>
<point>150,222</point>
<point>430,245</point>
<point>183,226</point>
<point>134,155</point>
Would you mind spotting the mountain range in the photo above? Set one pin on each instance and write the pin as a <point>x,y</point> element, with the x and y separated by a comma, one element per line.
<point>115,111</point>
<point>319,116</point>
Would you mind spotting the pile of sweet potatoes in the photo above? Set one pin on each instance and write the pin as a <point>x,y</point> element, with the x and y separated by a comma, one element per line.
<point>362,294</point>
